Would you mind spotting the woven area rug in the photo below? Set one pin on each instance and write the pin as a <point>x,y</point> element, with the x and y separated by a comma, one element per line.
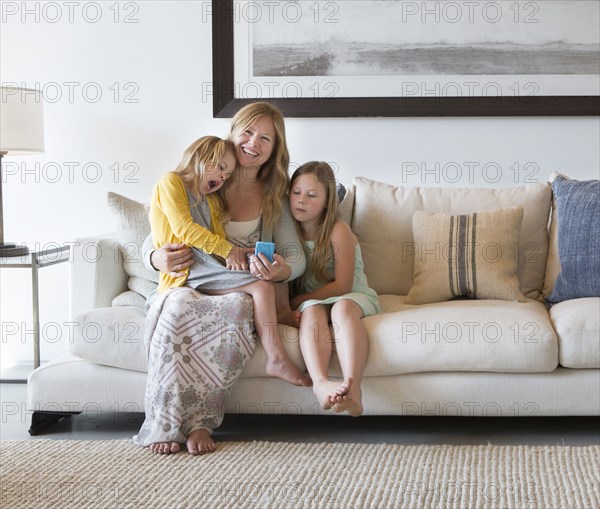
<point>116,473</point>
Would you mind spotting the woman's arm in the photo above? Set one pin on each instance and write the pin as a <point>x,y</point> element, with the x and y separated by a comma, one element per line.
<point>289,261</point>
<point>343,243</point>
<point>169,258</point>
<point>288,244</point>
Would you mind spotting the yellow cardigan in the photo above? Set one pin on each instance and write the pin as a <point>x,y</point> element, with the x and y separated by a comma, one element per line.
<point>172,222</point>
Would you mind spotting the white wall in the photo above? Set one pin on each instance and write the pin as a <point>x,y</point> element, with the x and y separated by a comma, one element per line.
<point>164,62</point>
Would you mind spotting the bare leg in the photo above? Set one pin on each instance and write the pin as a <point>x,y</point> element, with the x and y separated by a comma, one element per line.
<point>285,315</point>
<point>352,349</point>
<point>165,447</point>
<point>265,320</point>
<point>278,362</point>
<point>316,345</point>
<point>199,442</point>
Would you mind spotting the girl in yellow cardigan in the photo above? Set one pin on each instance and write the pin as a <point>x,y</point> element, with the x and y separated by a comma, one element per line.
<point>183,211</point>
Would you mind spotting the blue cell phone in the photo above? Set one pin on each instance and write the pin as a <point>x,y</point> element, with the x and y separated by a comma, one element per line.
<point>266,248</point>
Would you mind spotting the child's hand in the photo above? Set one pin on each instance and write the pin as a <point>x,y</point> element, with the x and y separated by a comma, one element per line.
<point>237,259</point>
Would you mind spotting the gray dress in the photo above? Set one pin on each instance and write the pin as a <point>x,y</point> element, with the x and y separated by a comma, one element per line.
<point>361,293</point>
<point>208,271</point>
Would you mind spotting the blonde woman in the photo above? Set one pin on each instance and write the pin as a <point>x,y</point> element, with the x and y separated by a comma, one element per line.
<point>253,205</point>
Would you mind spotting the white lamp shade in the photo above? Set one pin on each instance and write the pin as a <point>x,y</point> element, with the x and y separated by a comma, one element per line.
<point>21,120</point>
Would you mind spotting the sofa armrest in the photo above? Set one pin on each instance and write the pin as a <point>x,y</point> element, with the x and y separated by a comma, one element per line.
<point>96,274</point>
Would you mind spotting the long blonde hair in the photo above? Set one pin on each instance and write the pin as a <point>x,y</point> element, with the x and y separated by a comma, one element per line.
<point>273,174</point>
<point>323,251</point>
<point>205,151</point>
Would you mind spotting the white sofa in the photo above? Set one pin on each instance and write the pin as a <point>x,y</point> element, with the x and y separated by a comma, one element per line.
<point>458,357</point>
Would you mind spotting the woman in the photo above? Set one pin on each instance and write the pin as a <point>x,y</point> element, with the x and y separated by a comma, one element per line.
<point>184,402</point>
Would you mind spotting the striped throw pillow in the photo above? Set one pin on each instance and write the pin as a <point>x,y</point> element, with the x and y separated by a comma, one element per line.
<point>472,256</point>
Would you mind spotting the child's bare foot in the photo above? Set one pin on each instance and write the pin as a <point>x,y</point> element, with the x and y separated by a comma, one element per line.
<point>200,442</point>
<point>165,447</point>
<point>287,370</point>
<point>328,393</point>
<point>341,391</point>
<point>351,402</point>
<point>289,317</point>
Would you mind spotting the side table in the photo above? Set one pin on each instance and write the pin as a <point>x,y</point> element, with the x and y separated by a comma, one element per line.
<point>35,261</point>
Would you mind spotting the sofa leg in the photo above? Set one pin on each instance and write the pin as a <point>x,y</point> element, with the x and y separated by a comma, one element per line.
<point>41,420</point>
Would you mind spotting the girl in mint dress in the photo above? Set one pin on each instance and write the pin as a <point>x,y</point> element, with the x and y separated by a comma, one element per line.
<point>333,290</point>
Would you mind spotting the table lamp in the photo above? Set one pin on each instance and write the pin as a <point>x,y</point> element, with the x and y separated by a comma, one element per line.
<point>21,132</point>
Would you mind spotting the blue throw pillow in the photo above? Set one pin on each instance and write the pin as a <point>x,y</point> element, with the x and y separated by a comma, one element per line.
<point>578,210</point>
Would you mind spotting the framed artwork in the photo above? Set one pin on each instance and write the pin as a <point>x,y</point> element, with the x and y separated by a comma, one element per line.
<point>397,58</point>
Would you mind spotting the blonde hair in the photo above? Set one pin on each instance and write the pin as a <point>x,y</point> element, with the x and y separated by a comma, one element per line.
<point>273,174</point>
<point>205,151</point>
<point>323,251</point>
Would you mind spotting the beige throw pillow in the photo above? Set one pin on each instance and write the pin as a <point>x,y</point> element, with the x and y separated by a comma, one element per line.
<point>382,221</point>
<point>466,256</point>
<point>133,226</point>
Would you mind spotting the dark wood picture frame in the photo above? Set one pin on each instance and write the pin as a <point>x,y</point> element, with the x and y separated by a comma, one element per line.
<point>225,104</point>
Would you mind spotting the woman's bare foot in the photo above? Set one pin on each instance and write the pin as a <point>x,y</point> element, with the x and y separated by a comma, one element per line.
<point>328,393</point>
<point>351,402</point>
<point>289,317</point>
<point>288,371</point>
<point>165,447</point>
<point>199,442</point>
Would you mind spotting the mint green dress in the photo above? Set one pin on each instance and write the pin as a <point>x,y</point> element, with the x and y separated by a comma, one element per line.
<point>364,296</point>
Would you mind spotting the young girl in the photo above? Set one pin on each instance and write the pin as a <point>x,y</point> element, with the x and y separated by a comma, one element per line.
<point>335,290</point>
<point>183,211</point>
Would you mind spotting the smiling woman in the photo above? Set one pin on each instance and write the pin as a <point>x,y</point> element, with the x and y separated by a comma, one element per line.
<point>258,133</point>
<point>255,144</point>
<point>184,401</point>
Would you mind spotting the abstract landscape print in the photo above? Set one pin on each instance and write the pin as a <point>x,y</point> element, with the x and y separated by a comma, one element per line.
<point>401,38</point>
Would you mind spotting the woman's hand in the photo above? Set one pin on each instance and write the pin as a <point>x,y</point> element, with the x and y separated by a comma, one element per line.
<point>238,258</point>
<point>262,268</point>
<point>172,259</point>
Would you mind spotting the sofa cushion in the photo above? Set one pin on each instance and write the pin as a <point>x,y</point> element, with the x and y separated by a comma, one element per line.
<point>470,256</point>
<point>577,325</point>
<point>388,248</point>
<point>129,298</point>
<point>460,335</point>
<point>133,227</point>
<point>111,336</point>
<point>70,384</point>
<point>578,212</point>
